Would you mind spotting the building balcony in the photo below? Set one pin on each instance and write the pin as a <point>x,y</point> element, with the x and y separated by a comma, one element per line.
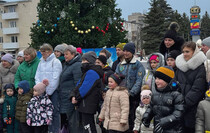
<point>10,15</point>
<point>10,46</point>
<point>14,30</point>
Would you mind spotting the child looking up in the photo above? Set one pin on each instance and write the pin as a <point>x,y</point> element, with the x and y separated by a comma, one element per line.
<point>9,108</point>
<point>167,104</point>
<point>40,109</point>
<point>140,110</point>
<point>115,110</point>
<point>24,96</point>
<point>171,59</point>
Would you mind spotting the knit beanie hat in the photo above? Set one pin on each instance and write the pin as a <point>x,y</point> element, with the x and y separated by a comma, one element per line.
<point>146,94</point>
<point>165,73</point>
<point>117,78</point>
<point>103,59</point>
<point>79,50</point>
<point>90,57</point>
<point>172,32</point>
<point>173,54</point>
<point>121,46</point>
<point>9,86</point>
<point>40,88</point>
<point>60,48</point>
<point>24,85</point>
<point>206,41</point>
<point>154,57</point>
<point>129,47</point>
<point>8,57</point>
<point>20,53</point>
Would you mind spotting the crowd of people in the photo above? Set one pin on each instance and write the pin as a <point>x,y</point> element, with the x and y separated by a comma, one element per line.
<point>65,89</point>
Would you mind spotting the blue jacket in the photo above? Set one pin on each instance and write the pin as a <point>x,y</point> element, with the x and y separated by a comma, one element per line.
<point>134,73</point>
<point>87,91</point>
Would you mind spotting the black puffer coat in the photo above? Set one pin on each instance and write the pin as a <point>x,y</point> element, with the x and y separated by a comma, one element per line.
<point>167,108</point>
<point>192,78</point>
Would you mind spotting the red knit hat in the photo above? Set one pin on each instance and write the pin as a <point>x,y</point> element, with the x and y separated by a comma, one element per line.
<point>154,57</point>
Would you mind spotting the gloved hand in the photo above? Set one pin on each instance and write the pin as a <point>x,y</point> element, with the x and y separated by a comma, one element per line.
<point>146,124</point>
<point>158,128</point>
<point>48,122</point>
<point>28,122</point>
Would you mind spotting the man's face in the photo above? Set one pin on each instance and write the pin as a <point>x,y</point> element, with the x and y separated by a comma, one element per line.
<point>127,54</point>
<point>204,48</point>
<point>119,52</point>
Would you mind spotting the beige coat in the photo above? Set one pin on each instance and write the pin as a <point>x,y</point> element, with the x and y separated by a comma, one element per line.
<point>116,109</point>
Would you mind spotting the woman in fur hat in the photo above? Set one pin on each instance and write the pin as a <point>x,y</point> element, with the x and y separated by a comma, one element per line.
<point>191,75</point>
<point>171,40</point>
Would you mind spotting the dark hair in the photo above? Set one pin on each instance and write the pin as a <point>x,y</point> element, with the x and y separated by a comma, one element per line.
<point>189,44</point>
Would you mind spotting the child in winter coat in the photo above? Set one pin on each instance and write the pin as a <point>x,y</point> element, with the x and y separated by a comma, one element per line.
<point>145,100</point>
<point>115,110</point>
<point>202,124</point>
<point>9,108</point>
<point>167,104</point>
<point>40,109</point>
<point>155,61</point>
<point>1,110</point>
<point>24,96</point>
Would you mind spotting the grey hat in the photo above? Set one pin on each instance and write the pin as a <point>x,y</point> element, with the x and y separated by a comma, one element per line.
<point>90,57</point>
<point>206,42</point>
<point>60,48</point>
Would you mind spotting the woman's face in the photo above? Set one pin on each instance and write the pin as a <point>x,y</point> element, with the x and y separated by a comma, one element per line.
<point>188,53</point>
<point>168,42</point>
<point>27,57</point>
<point>6,64</point>
<point>45,54</point>
<point>68,56</point>
<point>57,53</point>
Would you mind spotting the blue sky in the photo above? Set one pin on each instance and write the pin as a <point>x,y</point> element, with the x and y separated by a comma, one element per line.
<point>130,6</point>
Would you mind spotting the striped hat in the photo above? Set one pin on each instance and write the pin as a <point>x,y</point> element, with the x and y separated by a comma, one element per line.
<point>165,73</point>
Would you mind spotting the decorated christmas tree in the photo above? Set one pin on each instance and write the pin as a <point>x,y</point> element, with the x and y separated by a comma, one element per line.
<point>82,23</point>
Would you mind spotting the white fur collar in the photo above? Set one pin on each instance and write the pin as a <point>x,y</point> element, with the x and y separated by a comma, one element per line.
<point>132,61</point>
<point>192,64</point>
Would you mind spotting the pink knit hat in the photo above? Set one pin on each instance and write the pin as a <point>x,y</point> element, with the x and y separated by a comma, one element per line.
<point>145,94</point>
<point>154,57</point>
<point>41,87</point>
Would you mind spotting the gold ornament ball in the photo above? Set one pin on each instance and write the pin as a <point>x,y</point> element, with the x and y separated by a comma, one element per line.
<point>93,27</point>
<point>52,30</point>
<point>89,30</point>
<point>71,22</point>
<point>45,31</point>
<point>86,31</point>
<point>76,28</point>
<point>82,32</point>
<point>72,25</point>
<point>79,31</point>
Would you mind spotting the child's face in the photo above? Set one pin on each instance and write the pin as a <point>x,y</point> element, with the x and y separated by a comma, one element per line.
<point>98,62</point>
<point>146,100</point>
<point>10,92</point>
<point>20,91</point>
<point>171,62</point>
<point>35,93</point>
<point>112,84</point>
<point>160,83</point>
<point>153,64</point>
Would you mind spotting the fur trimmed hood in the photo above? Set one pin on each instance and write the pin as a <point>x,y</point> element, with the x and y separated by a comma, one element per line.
<point>161,61</point>
<point>197,59</point>
<point>4,71</point>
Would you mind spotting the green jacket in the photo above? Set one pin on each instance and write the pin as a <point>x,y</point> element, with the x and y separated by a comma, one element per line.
<point>9,106</point>
<point>27,71</point>
<point>21,106</point>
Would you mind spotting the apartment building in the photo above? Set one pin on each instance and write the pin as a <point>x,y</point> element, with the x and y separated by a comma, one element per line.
<point>16,18</point>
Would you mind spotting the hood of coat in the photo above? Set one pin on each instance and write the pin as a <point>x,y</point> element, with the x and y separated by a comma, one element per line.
<point>161,61</point>
<point>197,59</point>
<point>4,71</point>
<point>77,58</point>
<point>177,46</point>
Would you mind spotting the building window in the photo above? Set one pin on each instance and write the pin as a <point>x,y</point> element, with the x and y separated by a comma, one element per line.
<point>1,39</point>
<point>12,24</point>
<point>0,25</point>
<point>14,39</point>
<point>11,9</point>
